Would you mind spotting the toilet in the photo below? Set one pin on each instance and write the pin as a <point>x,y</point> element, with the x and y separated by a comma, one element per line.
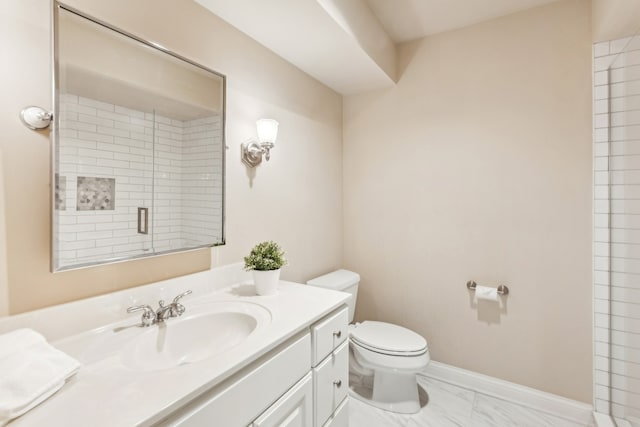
<point>383,358</point>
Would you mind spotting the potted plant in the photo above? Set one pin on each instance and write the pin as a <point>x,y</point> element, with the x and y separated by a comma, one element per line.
<point>265,261</point>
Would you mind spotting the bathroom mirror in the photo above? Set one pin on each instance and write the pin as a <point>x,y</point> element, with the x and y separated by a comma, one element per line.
<point>138,147</point>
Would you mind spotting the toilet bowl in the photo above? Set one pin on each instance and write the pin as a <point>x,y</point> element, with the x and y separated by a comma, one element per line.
<point>384,357</point>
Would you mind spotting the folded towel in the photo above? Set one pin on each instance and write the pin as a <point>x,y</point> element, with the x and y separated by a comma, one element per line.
<point>31,371</point>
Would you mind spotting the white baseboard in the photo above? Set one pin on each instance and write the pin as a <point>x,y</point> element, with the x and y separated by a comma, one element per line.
<point>551,404</point>
<point>603,420</point>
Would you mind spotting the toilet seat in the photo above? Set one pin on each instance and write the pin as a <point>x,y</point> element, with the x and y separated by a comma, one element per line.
<point>388,339</point>
<point>376,360</point>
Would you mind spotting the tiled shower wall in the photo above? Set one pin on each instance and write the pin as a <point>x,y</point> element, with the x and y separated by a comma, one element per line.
<point>617,228</point>
<point>109,141</point>
<point>201,183</point>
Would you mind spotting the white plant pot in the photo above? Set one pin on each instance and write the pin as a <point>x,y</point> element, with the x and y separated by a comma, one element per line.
<point>266,281</point>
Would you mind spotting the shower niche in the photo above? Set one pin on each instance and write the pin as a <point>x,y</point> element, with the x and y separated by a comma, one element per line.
<point>138,147</point>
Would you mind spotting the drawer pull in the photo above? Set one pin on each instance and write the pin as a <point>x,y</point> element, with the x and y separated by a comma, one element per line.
<point>337,334</point>
<point>337,383</point>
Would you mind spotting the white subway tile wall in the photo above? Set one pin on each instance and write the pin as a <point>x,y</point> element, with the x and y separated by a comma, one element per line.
<point>201,181</point>
<point>616,234</point>
<point>171,167</point>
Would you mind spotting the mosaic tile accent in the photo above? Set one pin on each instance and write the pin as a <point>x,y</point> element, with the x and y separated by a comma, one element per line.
<point>61,192</point>
<point>95,194</point>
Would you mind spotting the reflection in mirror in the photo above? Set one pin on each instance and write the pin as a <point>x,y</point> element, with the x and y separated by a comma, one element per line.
<point>138,149</point>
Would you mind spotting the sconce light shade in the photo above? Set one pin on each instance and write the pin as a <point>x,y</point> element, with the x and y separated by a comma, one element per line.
<point>267,130</point>
<point>253,151</point>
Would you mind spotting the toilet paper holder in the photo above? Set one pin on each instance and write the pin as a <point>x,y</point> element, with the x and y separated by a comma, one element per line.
<point>502,289</point>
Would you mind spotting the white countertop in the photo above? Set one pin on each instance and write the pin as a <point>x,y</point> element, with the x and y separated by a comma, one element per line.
<point>105,392</point>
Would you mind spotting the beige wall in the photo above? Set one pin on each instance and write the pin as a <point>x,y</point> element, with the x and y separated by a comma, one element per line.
<point>614,19</point>
<point>478,166</point>
<point>295,199</point>
<point>4,285</point>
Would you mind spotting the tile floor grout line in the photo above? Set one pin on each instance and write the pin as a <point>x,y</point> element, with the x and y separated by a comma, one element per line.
<point>473,405</point>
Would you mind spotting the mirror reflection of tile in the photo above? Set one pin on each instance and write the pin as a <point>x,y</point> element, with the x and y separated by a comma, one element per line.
<point>96,194</point>
<point>61,192</point>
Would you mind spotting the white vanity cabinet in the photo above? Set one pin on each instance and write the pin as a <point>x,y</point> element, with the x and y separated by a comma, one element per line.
<point>330,360</point>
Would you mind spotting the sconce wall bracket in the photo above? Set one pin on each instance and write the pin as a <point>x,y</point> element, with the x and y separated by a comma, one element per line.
<point>252,151</point>
<point>36,118</point>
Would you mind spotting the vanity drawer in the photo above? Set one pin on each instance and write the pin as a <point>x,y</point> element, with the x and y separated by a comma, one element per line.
<point>340,418</point>
<point>330,384</point>
<point>328,334</point>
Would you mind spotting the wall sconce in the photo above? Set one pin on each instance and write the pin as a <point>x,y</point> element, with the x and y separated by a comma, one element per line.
<point>252,151</point>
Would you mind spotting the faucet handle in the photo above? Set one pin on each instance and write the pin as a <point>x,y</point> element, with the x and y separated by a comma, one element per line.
<point>179,297</point>
<point>148,315</point>
<point>178,309</point>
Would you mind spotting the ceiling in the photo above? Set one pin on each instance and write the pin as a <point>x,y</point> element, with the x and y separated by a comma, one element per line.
<point>349,45</point>
<point>406,20</point>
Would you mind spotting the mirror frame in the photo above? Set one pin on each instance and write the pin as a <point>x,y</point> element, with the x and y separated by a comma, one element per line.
<point>54,139</point>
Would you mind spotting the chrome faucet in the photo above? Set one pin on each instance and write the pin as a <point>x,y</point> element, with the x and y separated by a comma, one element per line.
<point>164,312</point>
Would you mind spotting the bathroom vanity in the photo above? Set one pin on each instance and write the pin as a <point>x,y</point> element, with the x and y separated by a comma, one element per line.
<point>232,359</point>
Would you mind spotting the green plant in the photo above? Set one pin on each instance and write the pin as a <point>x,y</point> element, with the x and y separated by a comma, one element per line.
<point>265,256</point>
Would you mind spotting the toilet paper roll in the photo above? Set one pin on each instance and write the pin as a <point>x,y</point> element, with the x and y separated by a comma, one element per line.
<point>486,293</point>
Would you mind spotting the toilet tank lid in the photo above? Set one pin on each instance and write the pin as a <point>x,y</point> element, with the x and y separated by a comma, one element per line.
<point>337,280</point>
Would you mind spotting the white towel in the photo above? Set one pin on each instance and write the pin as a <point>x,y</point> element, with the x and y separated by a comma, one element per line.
<point>31,371</point>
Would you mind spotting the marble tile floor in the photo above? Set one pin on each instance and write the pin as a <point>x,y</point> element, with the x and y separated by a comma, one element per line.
<point>452,406</point>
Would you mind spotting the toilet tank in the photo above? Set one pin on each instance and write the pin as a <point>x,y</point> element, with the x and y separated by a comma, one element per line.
<point>340,280</point>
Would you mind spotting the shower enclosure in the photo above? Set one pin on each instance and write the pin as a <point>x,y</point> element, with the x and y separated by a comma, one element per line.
<point>617,232</point>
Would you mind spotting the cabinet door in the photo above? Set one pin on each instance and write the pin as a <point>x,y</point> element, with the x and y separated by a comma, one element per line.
<point>331,383</point>
<point>294,409</point>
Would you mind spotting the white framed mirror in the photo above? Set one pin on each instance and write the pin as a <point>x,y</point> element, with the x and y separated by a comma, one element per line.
<point>138,147</point>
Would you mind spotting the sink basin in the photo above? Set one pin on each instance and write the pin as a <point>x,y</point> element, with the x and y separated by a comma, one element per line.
<point>204,331</point>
